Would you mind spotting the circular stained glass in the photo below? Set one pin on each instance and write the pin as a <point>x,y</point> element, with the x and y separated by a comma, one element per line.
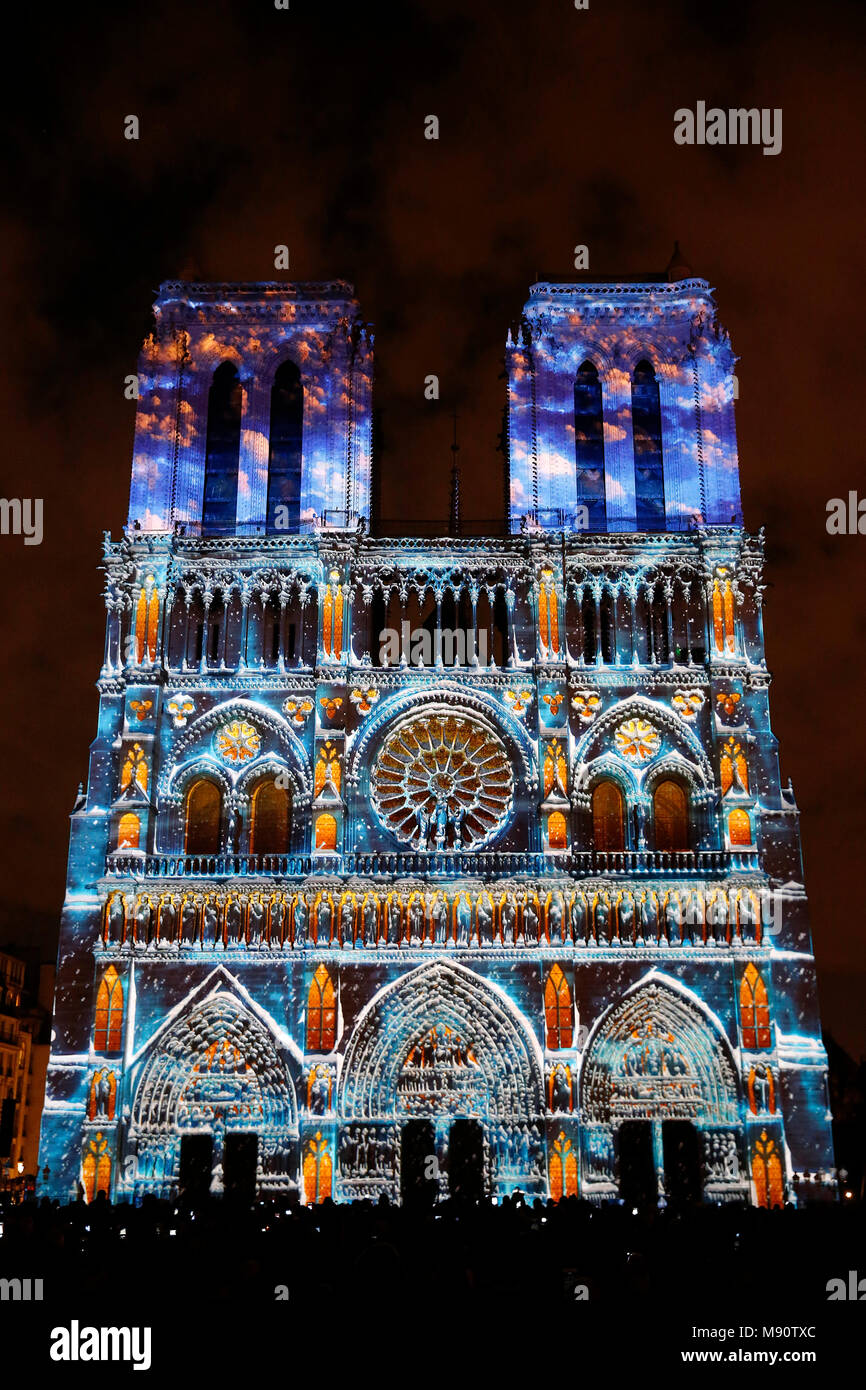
<point>443,781</point>
<point>637,740</point>
<point>238,741</point>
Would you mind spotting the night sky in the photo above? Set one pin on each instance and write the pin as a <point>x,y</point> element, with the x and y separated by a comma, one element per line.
<point>306,127</point>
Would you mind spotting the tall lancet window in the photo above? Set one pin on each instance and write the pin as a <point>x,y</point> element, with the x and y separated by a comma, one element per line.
<point>223,447</point>
<point>589,446</point>
<point>284,459</point>
<point>649,477</point>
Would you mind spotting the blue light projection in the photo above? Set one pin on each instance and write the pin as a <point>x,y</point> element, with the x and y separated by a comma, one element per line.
<point>533,908</point>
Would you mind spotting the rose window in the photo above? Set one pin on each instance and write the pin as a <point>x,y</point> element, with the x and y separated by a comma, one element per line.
<point>238,741</point>
<point>637,740</point>
<point>443,781</point>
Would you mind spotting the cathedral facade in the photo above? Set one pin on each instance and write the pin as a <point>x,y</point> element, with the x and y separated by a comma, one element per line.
<point>425,866</point>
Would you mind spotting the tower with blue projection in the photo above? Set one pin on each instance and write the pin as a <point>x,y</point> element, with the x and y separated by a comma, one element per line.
<point>471,849</point>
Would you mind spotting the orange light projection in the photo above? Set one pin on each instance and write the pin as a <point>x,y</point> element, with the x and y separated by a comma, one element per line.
<point>108,1024</point>
<point>557,1010</point>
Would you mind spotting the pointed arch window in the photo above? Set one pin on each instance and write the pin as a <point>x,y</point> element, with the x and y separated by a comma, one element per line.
<point>740,827</point>
<point>646,417</point>
<point>767,1173</point>
<point>285,449</point>
<point>589,446</point>
<point>321,1012</point>
<point>96,1167</point>
<point>271,818</point>
<point>134,769</point>
<point>608,823</point>
<point>146,623</point>
<point>203,817</point>
<point>734,768</point>
<point>108,1024</point>
<point>556,831</point>
<point>555,768</point>
<point>558,1011</point>
<point>671,816</point>
<point>318,1170</point>
<point>222,451</point>
<point>754,1009</point>
<point>128,831</point>
<point>563,1168</point>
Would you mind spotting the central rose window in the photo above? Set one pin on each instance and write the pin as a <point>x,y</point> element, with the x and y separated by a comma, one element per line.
<point>443,781</point>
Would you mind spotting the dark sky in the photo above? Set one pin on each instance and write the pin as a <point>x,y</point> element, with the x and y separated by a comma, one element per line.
<point>306,127</point>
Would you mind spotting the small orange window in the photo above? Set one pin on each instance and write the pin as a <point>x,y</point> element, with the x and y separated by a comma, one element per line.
<point>754,1009</point>
<point>558,1010</point>
<point>321,1012</point>
<point>109,1013</point>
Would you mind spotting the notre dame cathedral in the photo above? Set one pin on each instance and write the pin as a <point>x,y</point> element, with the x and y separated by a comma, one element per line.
<point>425,866</point>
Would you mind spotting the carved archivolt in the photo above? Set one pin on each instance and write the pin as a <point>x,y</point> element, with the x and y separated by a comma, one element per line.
<point>499,1057</point>
<point>657,1056</point>
<point>216,1064</point>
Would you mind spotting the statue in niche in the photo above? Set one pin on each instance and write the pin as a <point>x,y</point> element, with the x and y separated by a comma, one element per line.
<point>561,1089</point>
<point>695,915</point>
<point>102,1095</point>
<point>761,1090</point>
<point>530,919</point>
<point>717,917</point>
<point>554,919</point>
<point>189,919</point>
<point>638,824</point>
<point>440,819</point>
<point>457,822</point>
<point>143,916</point>
<point>649,916</point>
<point>602,918</point>
<point>464,919</point>
<point>416,919</point>
<point>578,918</point>
<point>213,920</point>
<point>277,921</point>
<point>300,915</point>
<point>371,919</point>
<point>626,917</point>
<point>423,820</point>
<point>520,920</point>
<point>673,918</point>
<point>395,920</point>
<point>324,916</point>
<point>347,920</point>
<point>748,915</point>
<point>167,920</point>
<point>507,917</point>
<point>234,919</point>
<point>485,920</point>
<point>439,915</point>
<point>115,917</point>
<point>256,919</point>
<point>319,1093</point>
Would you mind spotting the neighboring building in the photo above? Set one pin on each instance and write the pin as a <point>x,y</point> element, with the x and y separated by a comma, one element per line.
<point>26,988</point>
<point>534,907</point>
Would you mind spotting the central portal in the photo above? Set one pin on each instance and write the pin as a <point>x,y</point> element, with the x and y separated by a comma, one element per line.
<point>444,1067</point>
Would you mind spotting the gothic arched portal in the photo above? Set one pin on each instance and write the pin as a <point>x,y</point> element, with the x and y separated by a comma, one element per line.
<point>659,1101</point>
<point>214,1077</point>
<point>441,1045</point>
